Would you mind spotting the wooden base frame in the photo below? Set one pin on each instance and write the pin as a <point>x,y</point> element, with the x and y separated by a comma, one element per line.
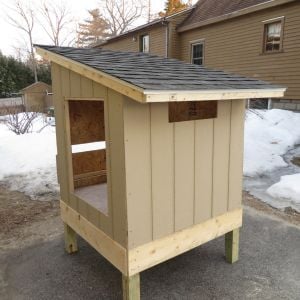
<point>133,261</point>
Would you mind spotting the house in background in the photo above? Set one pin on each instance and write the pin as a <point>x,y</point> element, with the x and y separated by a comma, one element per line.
<point>257,38</point>
<point>37,97</point>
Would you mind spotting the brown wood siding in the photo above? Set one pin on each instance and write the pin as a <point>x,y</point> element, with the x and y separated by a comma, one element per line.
<point>157,36</point>
<point>180,174</point>
<point>236,46</point>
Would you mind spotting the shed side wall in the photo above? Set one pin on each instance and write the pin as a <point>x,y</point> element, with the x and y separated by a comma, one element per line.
<point>180,174</point>
<point>236,46</point>
<point>68,84</point>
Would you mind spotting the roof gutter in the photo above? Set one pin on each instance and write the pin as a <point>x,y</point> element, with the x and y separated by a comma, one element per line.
<point>248,10</point>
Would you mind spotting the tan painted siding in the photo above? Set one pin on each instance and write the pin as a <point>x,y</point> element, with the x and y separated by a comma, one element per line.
<point>76,86</point>
<point>180,174</point>
<point>236,46</point>
<point>157,36</point>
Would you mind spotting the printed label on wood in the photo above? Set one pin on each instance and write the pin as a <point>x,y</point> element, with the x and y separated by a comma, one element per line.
<point>192,110</point>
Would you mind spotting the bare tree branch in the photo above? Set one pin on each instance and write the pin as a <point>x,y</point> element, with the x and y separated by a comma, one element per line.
<point>121,14</point>
<point>56,20</point>
<point>22,17</point>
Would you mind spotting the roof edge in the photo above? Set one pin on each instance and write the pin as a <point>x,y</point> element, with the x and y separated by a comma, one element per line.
<point>121,86</point>
<point>33,84</point>
<point>241,12</point>
<point>153,96</point>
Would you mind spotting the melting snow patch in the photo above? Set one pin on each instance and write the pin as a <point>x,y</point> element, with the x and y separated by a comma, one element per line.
<point>269,135</point>
<point>287,188</point>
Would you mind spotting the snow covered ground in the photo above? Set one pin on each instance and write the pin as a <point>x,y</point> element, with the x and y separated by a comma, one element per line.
<point>272,138</point>
<point>27,162</point>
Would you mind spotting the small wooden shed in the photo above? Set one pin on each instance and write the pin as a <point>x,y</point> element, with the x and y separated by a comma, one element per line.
<point>37,97</point>
<point>160,166</point>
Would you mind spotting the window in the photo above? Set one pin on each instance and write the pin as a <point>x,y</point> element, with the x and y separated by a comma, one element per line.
<point>145,43</point>
<point>88,152</point>
<point>197,54</point>
<point>273,34</point>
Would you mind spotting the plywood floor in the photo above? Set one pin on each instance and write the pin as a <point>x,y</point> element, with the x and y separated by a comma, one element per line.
<point>95,195</point>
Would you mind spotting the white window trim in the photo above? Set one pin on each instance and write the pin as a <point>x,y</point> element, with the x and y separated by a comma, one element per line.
<point>194,43</point>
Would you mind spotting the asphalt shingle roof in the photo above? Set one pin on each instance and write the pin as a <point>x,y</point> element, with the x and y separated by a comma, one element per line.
<point>209,9</point>
<point>151,72</point>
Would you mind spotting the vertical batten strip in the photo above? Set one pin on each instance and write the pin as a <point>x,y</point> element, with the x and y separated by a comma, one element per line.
<point>106,222</point>
<point>138,181</point>
<point>59,117</point>
<point>184,174</point>
<point>203,169</point>
<point>162,141</point>
<point>236,154</point>
<point>194,169</point>
<point>65,92</point>
<point>212,167</point>
<point>221,158</point>
<point>174,177</point>
<point>151,170</point>
<point>229,156</point>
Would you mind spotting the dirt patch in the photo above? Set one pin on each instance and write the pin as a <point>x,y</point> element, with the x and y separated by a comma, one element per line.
<point>296,161</point>
<point>289,214</point>
<point>18,210</point>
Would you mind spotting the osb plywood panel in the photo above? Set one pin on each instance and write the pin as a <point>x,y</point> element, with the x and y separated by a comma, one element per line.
<point>90,161</point>
<point>86,121</point>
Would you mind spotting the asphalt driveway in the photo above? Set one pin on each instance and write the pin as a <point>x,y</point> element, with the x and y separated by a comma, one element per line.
<point>269,268</point>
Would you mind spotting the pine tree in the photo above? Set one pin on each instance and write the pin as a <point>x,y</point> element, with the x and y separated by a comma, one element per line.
<point>15,75</point>
<point>173,6</point>
<point>93,31</point>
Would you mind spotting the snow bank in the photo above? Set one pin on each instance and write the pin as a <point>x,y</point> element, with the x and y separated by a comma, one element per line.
<point>27,162</point>
<point>269,135</point>
<point>287,188</point>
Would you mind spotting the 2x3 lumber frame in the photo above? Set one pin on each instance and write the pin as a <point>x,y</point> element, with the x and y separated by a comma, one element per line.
<point>149,96</point>
<point>232,239</point>
<point>131,287</point>
<point>212,95</point>
<point>101,242</point>
<point>70,239</point>
<point>134,261</point>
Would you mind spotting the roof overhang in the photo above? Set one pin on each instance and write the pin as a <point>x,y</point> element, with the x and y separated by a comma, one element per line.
<point>241,12</point>
<point>151,96</point>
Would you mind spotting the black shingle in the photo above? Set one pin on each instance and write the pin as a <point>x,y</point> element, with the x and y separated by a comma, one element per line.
<point>152,72</point>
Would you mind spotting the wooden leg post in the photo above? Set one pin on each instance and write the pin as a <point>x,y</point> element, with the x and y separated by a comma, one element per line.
<point>131,287</point>
<point>232,246</point>
<point>70,239</point>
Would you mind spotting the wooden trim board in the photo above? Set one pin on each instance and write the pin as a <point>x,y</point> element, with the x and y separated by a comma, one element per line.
<point>153,253</point>
<point>101,242</point>
<point>134,261</point>
<point>212,95</point>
